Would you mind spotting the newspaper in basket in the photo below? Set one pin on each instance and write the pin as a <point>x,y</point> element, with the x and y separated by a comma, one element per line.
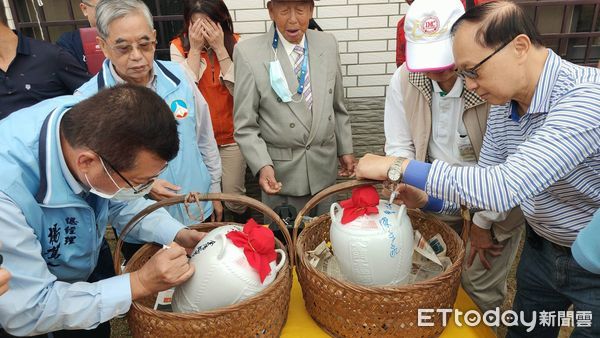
<point>373,240</point>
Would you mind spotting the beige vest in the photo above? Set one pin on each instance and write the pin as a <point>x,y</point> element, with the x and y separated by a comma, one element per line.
<point>416,95</point>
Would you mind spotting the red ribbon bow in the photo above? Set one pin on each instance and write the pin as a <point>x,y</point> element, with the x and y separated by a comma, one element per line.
<point>258,243</point>
<point>364,201</point>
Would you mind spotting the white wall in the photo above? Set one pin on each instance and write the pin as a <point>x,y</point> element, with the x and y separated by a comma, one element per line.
<point>365,30</point>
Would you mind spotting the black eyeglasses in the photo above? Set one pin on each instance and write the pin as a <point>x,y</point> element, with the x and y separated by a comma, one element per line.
<point>471,73</point>
<point>88,4</point>
<point>140,188</point>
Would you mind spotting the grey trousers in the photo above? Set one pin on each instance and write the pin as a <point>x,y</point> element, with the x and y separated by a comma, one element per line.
<point>487,288</point>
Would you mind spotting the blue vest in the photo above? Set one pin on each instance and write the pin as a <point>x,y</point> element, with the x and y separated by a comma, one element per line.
<point>32,177</point>
<point>187,169</point>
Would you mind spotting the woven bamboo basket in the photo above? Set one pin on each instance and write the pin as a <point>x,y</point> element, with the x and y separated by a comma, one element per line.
<point>262,315</point>
<point>345,309</point>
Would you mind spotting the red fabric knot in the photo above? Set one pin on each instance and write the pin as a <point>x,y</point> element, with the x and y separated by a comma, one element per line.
<point>364,201</point>
<point>258,243</point>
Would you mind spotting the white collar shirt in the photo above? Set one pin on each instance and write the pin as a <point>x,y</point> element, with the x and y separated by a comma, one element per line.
<point>289,47</point>
<point>448,132</point>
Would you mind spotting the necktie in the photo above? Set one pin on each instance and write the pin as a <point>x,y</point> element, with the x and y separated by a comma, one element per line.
<point>299,57</point>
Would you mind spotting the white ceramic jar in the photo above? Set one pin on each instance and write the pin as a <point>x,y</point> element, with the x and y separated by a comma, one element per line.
<point>375,249</point>
<point>223,275</point>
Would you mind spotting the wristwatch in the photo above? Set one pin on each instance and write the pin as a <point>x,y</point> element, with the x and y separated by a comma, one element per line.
<point>394,173</point>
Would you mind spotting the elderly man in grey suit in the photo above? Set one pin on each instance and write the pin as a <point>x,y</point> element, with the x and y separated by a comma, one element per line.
<point>289,115</point>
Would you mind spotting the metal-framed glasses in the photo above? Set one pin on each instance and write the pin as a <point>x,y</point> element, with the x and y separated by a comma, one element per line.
<point>88,4</point>
<point>126,49</point>
<point>140,187</point>
<point>471,73</point>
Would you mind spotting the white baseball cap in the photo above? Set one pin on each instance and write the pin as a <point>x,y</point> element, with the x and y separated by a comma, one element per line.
<point>427,30</point>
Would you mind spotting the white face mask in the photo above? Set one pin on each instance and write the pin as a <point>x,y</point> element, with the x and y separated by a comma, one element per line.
<point>278,81</point>
<point>122,194</point>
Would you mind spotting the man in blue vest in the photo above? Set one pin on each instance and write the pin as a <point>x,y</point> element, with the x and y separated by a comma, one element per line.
<point>128,39</point>
<point>70,167</point>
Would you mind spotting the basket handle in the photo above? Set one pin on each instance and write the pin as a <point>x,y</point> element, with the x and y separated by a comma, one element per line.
<point>195,197</point>
<point>334,189</point>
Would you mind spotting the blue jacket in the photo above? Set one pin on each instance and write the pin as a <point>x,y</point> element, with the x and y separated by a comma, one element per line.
<point>52,229</point>
<point>586,250</point>
<point>187,169</point>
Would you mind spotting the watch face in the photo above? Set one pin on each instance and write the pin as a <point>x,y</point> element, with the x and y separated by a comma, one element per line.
<point>394,174</point>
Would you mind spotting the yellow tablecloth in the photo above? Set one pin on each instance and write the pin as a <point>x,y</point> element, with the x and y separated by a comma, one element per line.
<point>300,324</point>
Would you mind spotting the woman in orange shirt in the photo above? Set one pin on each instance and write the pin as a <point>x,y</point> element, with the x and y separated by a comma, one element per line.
<point>205,49</point>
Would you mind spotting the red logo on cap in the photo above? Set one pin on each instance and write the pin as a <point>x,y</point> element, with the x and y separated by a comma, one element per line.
<point>430,25</point>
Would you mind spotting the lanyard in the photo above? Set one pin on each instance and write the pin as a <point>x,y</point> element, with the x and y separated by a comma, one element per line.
<point>303,70</point>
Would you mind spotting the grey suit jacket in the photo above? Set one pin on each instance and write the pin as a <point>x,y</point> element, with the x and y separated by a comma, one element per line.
<point>302,147</point>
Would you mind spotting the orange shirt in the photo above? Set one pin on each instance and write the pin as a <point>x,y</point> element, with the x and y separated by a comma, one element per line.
<point>220,101</point>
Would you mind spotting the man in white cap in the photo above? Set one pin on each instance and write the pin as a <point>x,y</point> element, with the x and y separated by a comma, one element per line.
<point>430,115</point>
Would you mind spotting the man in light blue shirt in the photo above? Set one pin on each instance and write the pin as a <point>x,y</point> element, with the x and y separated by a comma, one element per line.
<point>541,152</point>
<point>70,167</point>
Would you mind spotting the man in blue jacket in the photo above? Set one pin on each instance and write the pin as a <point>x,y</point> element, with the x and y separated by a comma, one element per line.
<point>70,167</point>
